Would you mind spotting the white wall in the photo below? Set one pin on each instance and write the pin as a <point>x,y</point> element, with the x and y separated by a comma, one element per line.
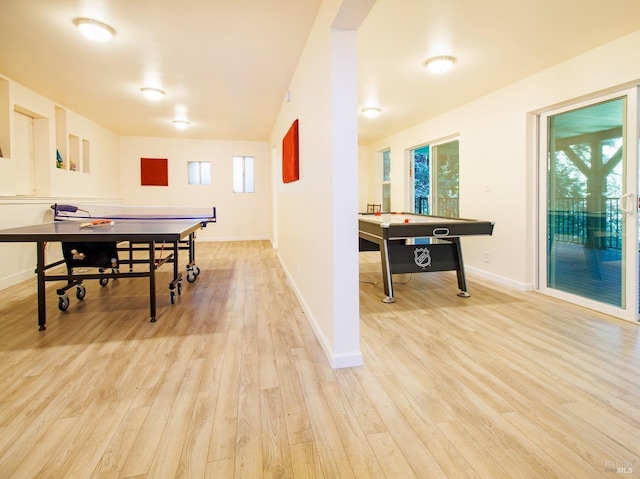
<point>317,227</point>
<point>240,216</point>
<point>498,150</point>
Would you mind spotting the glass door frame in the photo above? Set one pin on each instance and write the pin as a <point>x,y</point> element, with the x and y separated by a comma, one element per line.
<point>630,192</point>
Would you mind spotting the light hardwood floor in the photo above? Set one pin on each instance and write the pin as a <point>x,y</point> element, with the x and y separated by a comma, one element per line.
<point>231,382</point>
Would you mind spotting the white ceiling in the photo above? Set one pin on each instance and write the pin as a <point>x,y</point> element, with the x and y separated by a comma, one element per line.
<point>226,64</point>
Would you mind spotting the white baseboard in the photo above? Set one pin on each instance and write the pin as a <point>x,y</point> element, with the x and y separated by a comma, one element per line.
<point>17,278</point>
<point>232,238</point>
<point>500,279</point>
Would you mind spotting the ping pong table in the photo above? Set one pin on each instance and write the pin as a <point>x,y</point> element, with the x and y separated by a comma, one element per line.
<point>152,232</point>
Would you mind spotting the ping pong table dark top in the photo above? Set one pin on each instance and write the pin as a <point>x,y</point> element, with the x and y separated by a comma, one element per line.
<point>120,230</point>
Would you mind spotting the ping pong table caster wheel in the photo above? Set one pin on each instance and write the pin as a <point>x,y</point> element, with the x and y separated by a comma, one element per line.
<point>179,289</point>
<point>104,281</point>
<point>191,276</point>
<point>63,302</point>
<point>81,292</point>
<point>196,270</point>
<point>173,296</point>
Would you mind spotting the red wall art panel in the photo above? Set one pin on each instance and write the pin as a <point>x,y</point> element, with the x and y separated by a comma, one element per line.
<point>154,172</point>
<point>290,155</point>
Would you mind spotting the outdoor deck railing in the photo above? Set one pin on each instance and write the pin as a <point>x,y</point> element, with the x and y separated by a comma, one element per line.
<point>446,206</point>
<point>572,223</point>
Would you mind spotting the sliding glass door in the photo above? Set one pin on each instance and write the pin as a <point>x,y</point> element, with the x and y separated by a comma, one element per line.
<point>589,203</point>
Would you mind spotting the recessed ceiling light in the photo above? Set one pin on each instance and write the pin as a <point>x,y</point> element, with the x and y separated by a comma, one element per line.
<point>181,124</point>
<point>371,112</point>
<point>439,64</point>
<point>152,93</point>
<point>94,30</point>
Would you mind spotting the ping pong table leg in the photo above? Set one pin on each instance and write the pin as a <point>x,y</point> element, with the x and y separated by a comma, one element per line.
<point>175,261</point>
<point>192,248</point>
<point>152,280</point>
<point>176,282</point>
<point>192,268</point>
<point>42,306</point>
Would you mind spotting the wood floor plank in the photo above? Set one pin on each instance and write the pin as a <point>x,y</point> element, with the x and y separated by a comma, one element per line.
<point>361,406</point>
<point>333,457</point>
<point>354,440</point>
<point>414,450</point>
<point>276,455</point>
<point>220,468</point>
<point>566,458</point>
<point>193,457</point>
<point>482,463</point>
<point>86,442</point>
<point>425,426</point>
<point>297,418</point>
<point>174,437</point>
<point>305,461</point>
<point>116,452</point>
<point>223,440</point>
<point>248,447</point>
<point>390,456</point>
<point>151,435</point>
<point>31,465</point>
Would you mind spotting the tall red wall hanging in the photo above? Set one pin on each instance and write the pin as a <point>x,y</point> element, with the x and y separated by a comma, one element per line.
<point>290,155</point>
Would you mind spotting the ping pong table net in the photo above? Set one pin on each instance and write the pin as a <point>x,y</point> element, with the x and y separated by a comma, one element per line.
<point>85,212</point>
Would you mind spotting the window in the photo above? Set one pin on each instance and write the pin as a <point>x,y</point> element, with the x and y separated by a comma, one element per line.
<point>199,172</point>
<point>386,180</point>
<point>446,159</point>
<point>243,174</point>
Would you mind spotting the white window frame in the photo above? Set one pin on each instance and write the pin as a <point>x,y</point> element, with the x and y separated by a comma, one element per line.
<point>199,172</point>
<point>386,182</point>
<point>243,174</point>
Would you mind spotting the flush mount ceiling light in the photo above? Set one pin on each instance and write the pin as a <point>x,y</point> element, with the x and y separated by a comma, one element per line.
<point>439,64</point>
<point>371,112</point>
<point>181,124</point>
<point>94,30</point>
<point>152,93</point>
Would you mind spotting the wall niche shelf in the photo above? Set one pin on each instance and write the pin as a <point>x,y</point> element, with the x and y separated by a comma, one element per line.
<point>73,153</point>
<point>61,138</point>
